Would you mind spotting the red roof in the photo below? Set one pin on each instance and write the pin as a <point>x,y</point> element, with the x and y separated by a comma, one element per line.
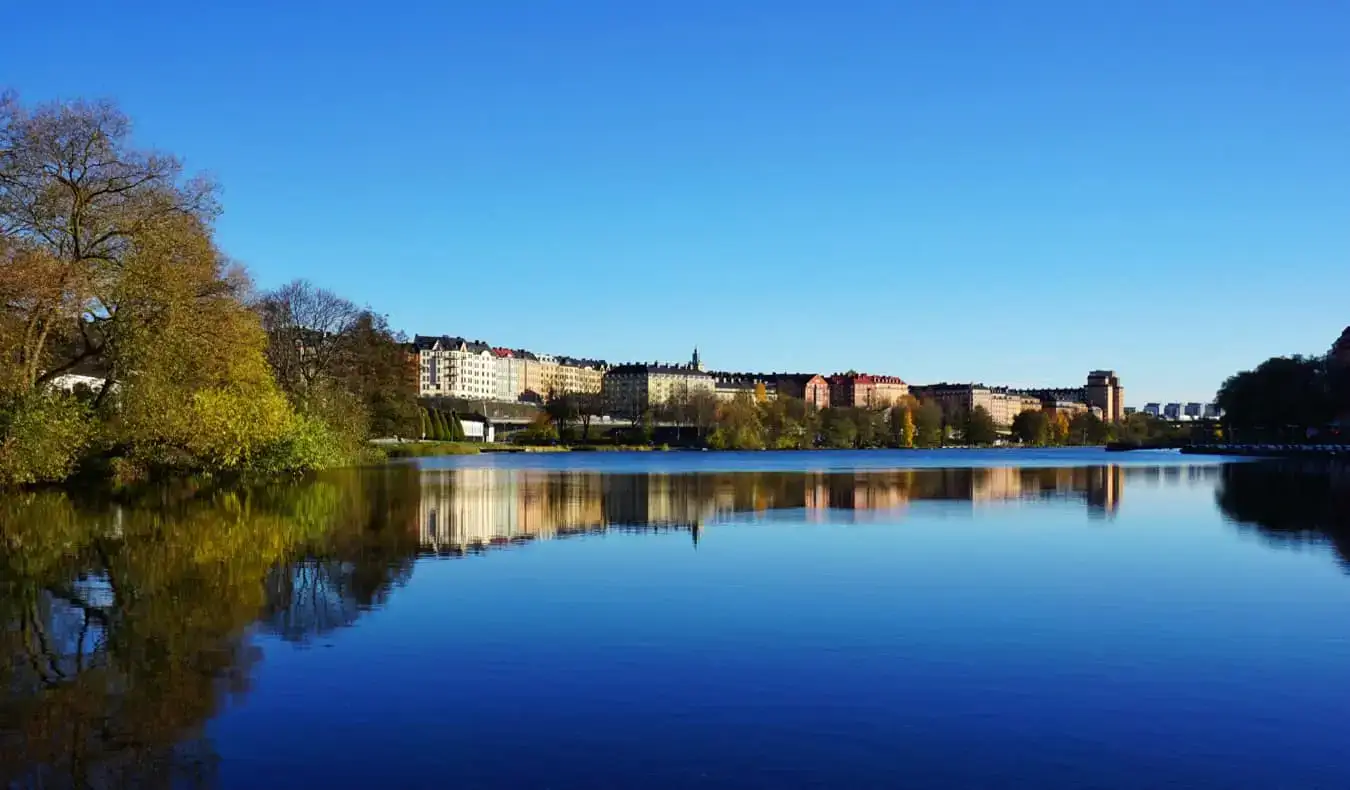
<point>502,352</point>
<point>866,378</point>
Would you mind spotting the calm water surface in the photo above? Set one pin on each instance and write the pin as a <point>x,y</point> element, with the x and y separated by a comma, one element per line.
<point>948,619</point>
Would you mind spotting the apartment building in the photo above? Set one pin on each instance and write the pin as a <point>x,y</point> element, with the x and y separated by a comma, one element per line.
<point>1002,403</point>
<point>759,386</point>
<point>453,367</point>
<point>510,374</point>
<point>631,389</point>
<point>576,375</point>
<point>866,391</point>
<point>810,387</point>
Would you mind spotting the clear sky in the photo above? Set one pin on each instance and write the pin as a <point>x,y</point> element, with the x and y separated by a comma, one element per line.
<point>1012,192</point>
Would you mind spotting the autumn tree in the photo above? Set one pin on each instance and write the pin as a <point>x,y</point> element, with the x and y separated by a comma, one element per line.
<point>339,361</point>
<point>901,424</point>
<point>739,426</point>
<point>1059,428</point>
<point>76,203</point>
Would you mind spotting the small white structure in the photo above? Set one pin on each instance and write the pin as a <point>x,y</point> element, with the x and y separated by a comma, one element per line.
<point>478,429</point>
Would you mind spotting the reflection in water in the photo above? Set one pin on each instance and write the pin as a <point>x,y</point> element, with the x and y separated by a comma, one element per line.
<point>127,626</point>
<point>1291,502</point>
<point>469,510</point>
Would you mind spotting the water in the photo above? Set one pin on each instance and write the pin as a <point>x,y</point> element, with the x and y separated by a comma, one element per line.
<point>1041,619</point>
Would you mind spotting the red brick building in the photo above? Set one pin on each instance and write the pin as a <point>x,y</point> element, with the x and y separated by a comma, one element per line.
<point>861,390</point>
<point>810,387</point>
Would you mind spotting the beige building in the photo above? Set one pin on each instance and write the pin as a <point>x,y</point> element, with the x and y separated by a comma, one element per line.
<point>453,367</point>
<point>578,375</point>
<point>1002,404</point>
<point>1103,391</point>
<point>630,390</point>
<point>760,387</point>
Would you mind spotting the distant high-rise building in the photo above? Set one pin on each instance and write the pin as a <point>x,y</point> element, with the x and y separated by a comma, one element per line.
<point>1172,411</point>
<point>1194,410</point>
<point>1153,409</point>
<point>1103,390</point>
<point>1212,411</point>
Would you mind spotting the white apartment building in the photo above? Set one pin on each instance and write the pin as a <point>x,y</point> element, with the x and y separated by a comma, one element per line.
<point>510,374</point>
<point>453,367</point>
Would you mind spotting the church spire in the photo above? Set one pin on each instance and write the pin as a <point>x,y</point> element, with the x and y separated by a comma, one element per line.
<point>696,363</point>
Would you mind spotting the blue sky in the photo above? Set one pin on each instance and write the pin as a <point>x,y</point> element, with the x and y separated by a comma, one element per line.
<point>1007,192</point>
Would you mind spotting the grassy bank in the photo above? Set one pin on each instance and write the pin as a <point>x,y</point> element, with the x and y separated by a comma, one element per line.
<point>429,449</point>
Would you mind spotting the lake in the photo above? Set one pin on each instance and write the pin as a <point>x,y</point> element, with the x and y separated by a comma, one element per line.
<point>1039,619</point>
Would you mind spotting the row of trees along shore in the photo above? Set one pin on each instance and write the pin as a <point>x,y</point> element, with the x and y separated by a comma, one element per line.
<point>1290,399</point>
<point>108,266</point>
<point>753,422</point>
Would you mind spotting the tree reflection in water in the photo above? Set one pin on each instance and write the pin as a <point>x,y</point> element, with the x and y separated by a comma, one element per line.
<point>126,625</point>
<point>1300,502</point>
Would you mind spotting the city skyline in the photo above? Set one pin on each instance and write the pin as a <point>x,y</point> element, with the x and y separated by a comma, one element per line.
<point>1012,196</point>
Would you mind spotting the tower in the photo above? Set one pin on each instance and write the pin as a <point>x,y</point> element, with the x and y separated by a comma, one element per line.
<point>1103,390</point>
<point>696,363</point>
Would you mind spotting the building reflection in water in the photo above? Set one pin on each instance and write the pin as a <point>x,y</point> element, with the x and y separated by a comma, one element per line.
<point>467,510</point>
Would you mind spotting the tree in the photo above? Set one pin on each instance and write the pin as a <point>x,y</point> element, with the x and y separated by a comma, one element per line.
<point>425,421</point>
<point>376,371</point>
<point>979,427</point>
<point>335,359</point>
<point>588,406</point>
<point>838,428</point>
<point>439,431</point>
<point>1086,428</point>
<point>1032,427</point>
<point>456,428</point>
<point>76,201</point>
<point>739,426</point>
<point>703,411</point>
<point>1281,398</point>
<point>562,408</point>
<point>1059,428</point>
<point>928,422</point>
<point>307,331</point>
<point>902,428</point>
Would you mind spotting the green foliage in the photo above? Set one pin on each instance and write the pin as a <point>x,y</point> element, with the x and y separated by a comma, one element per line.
<point>739,426</point>
<point>1283,397</point>
<point>541,431</point>
<point>429,449</point>
<point>928,425</point>
<point>41,437</point>
<point>309,444</point>
<point>1088,429</point>
<point>838,429</point>
<point>979,427</point>
<point>1032,428</point>
<point>456,428</point>
<point>901,425</point>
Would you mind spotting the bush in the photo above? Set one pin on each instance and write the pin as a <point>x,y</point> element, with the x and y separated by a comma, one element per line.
<point>41,438</point>
<point>309,444</point>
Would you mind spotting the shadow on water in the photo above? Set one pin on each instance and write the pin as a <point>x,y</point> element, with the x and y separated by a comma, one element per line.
<point>1291,502</point>
<point>128,626</point>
